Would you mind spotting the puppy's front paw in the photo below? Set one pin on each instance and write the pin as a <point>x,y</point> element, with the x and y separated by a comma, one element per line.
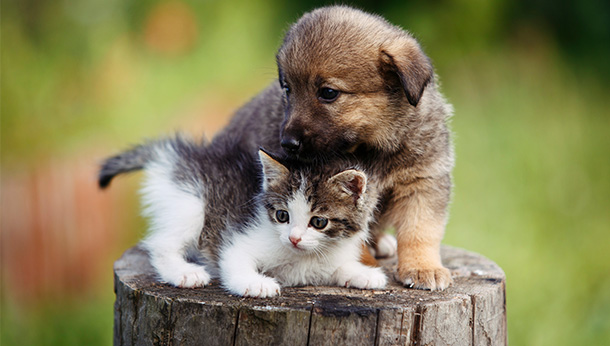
<point>425,278</point>
<point>369,278</point>
<point>257,287</point>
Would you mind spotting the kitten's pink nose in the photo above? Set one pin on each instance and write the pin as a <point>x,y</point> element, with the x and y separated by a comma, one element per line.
<point>294,240</point>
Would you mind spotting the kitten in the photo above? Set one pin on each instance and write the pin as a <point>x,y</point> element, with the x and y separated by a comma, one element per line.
<point>257,224</point>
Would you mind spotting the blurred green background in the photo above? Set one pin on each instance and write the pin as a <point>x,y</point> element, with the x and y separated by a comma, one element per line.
<point>82,79</point>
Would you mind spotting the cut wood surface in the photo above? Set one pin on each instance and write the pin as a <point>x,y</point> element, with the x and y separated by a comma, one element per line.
<point>470,312</point>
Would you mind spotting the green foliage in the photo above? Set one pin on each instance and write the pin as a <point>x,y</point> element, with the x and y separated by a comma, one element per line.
<point>66,322</point>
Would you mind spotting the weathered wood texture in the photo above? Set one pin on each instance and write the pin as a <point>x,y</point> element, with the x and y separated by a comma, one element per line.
<point>471,312</point>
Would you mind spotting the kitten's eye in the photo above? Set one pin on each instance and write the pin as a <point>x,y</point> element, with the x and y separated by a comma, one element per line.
<point>282,216</point>
<point>318,222</point>
<point>328,94</point>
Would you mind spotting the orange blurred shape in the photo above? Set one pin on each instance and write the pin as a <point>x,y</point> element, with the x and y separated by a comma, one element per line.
<point>59,232</point>
<point>171,28</point>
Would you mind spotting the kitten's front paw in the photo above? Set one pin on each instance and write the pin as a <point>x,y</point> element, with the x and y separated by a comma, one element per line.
<point>258,287</point>
<point>369,278</point>
<point>187,276</point>
<point>425,278</point>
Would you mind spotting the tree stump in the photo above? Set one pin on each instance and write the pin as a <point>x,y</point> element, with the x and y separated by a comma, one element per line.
<point>471,312</point>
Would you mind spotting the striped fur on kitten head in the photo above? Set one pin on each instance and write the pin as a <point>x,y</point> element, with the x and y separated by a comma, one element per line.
<point>314,207</point>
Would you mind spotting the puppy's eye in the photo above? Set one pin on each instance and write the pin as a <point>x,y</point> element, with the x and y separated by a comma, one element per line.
<point>318,222</point>
<point>328,94</point>
<point>286,89</point>
<point>282,216</point>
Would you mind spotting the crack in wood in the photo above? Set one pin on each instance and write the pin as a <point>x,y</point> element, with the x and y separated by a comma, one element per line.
<point>309,325</point>
<point>377,329</point>
<point>417,325</point>
<point>236,327</point>
<point>473,324</point>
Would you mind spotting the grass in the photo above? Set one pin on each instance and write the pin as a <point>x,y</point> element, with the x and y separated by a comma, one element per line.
<point>531,192</point>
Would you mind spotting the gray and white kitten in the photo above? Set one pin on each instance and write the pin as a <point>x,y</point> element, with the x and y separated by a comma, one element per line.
<point>216,210</point>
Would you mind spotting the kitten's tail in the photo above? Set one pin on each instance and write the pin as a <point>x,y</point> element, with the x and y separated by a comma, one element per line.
<point>140,156</point>
<point>131,160</point>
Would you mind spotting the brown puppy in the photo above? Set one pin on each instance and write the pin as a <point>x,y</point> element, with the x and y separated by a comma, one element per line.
<point>353,85</point>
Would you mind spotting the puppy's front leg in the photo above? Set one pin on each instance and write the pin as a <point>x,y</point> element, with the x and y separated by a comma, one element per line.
<point>419,213</point>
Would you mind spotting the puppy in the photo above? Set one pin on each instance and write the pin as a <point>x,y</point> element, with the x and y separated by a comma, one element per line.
<point>353,85</point>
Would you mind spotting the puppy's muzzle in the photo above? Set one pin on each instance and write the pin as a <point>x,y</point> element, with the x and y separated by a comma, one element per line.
<point>291,145</point>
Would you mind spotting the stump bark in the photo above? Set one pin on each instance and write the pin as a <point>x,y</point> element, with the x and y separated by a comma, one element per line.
<point>471,312</point>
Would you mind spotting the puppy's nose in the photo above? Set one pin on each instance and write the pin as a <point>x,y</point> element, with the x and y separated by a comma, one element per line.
<point>291,144</point>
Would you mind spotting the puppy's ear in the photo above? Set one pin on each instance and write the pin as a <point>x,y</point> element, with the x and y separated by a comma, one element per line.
<point>350,182</point>
<point>273,171</point>
<point>404,57</point>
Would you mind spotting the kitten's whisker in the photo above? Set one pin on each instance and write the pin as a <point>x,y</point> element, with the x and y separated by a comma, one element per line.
<point>322,252</point>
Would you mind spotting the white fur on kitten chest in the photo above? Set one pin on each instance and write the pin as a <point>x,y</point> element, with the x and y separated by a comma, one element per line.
<point>271,255</point>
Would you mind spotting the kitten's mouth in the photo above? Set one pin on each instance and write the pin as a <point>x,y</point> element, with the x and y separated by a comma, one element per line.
<point>297,248</point>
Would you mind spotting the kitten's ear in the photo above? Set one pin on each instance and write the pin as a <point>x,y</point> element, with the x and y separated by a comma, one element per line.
<point>273,171</point>
<point>351,182</point>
